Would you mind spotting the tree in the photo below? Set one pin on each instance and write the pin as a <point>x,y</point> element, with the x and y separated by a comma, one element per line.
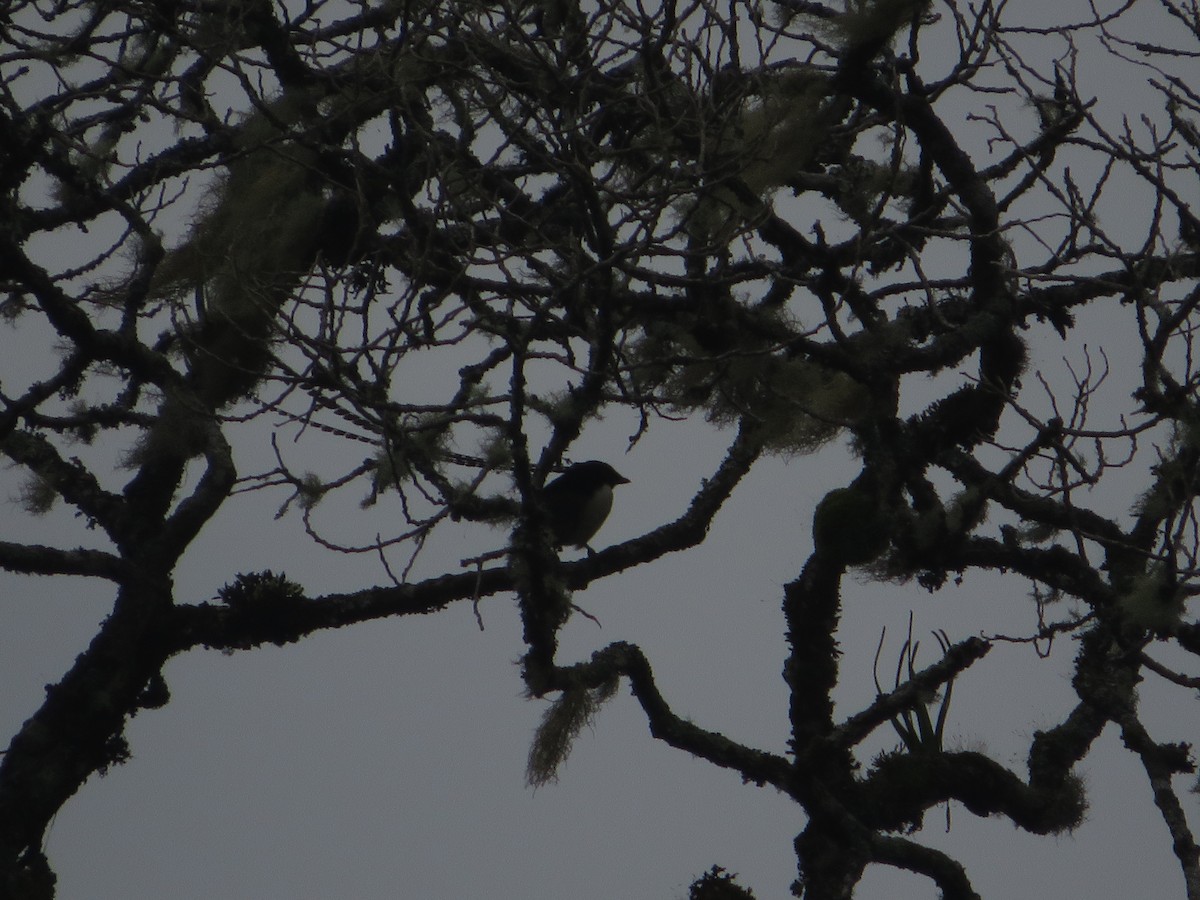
<point>443,238</point>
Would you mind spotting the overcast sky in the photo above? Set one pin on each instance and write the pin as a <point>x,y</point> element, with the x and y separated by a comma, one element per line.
<point>388,760</point>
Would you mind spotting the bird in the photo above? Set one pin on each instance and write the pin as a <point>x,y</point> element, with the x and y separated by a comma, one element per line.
<point>579,500</point>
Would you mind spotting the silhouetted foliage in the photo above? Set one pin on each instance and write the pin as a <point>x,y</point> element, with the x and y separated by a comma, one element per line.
<point>444,236</point>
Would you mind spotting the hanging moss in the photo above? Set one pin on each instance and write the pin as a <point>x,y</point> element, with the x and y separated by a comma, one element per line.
<point>1152,600</point>
<point>37,495</point>
<point>419,442</point>
<point>798,404</point>
<point>561,724</point>
<point>773,137</point>
<point>874,23</point>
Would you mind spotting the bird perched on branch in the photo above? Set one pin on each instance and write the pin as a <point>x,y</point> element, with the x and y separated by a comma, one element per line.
<point>578,501</point>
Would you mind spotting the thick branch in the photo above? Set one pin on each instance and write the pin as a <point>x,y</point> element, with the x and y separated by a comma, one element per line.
<point>36,559</point>
<point>627,659</point>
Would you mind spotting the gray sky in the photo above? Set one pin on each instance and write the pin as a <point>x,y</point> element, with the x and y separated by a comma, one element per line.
<point>387,760</point>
